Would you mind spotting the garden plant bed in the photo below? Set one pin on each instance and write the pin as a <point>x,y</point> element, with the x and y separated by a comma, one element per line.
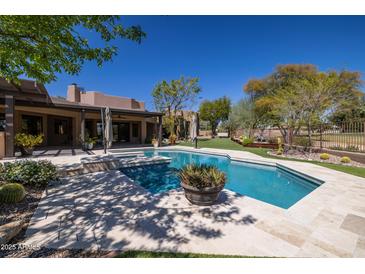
<point>314,156</point>
<point>257,145</point>
<point>21,211</point>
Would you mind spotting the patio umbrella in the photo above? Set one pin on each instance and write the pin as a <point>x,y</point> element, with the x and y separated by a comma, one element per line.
<point>108,128</point>
<point>194,129</point>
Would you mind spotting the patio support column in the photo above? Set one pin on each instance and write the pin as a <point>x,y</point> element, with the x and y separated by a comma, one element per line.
<point>82,133</point>
<point>159,131</point>
<point>143,131</point>
<point>9,125</point>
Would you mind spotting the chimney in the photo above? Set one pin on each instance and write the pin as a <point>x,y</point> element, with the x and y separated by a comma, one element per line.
<point>73,93</point>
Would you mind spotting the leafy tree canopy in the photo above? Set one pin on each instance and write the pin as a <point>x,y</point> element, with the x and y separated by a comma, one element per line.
<point>39,47</point>
<point>215,111</point>
<point>294,95</point>
<point>174,96</point>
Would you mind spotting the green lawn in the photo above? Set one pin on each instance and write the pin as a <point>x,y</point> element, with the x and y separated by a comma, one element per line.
<point>150,254</point>
<point>226,143</point>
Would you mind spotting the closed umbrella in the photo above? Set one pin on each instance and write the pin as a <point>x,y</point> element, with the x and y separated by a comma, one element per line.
<point>108,128</point>
<point>194,129</point>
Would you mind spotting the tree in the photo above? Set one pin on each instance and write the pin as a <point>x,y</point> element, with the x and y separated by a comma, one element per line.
<point>323,93</point>
<point>243,115</point>
<point>173,97</point>
<point>297,95</point>
<point>42,46</point>
<point>215,111</point>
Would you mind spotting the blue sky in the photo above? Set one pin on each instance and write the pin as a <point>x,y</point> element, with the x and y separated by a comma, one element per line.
<point>223,51</point>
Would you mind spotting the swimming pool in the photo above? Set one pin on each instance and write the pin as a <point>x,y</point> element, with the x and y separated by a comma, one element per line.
<point>269,184</point>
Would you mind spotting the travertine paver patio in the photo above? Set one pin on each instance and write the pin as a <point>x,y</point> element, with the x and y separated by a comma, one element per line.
<point>106,210</point>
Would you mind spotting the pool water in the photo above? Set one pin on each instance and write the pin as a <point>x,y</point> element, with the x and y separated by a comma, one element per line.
<point>269,184</point>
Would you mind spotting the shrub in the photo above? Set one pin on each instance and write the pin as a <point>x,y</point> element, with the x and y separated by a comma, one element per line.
<point>336,147</point>
<point>172,139</point>
<point>280,149</point>
<point>352,148</point>
<point>302,141</point>
<point>345,160</point>
<point>324,156</point>
<point>272,140</point>
<point>33,173</point>
<point>28,140</point>
<point>2,172</point>
<point>246,141</point>
<point>201,176</point>
<point>11,193</point>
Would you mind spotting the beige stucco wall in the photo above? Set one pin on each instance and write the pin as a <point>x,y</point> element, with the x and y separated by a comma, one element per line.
<point>99,99</point>
<point>43,112</point>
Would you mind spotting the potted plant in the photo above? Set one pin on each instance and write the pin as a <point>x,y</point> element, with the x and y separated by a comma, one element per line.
<point>154,142</point>
<point>89,142</point>
<point>202,183</point>
<point>27,142</point>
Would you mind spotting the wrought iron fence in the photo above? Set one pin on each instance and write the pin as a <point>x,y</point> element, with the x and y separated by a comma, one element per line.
<point>348,136</point>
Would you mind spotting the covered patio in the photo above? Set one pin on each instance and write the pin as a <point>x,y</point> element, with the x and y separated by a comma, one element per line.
<point>64,124</point>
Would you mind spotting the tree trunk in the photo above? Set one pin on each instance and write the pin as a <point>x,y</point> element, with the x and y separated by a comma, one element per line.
<point>310,136</point>
<point>290,136</point>
<point>284,133</point>
<point>214,129</point>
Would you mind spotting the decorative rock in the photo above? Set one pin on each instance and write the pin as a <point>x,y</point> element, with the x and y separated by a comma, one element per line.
<point>10,230</point>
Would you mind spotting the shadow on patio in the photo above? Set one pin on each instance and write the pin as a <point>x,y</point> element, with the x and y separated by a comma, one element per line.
<point>106,211</point>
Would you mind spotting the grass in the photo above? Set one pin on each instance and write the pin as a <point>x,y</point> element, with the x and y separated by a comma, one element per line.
<point>226,143</point>
<point>151,254</point>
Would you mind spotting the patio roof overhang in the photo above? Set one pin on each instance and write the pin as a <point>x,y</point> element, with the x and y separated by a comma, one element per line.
<point>42,100</point>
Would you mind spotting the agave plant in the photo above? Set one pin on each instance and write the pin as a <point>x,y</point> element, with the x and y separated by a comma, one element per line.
<point>202,176</point>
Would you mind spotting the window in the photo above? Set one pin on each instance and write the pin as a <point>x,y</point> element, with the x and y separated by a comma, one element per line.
<point>135,130</point>
<point>32,124</point>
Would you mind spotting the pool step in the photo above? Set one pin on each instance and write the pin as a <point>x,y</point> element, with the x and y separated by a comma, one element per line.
<point>109,162</point>
<point>141,161</point>
<point>129,154</point>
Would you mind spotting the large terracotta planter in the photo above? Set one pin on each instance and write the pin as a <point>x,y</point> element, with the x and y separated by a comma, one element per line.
<point>204,197</point>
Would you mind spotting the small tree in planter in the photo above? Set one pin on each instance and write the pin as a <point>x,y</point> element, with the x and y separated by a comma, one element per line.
<point>154,142</point>
<point>27,142</point>
<point>202,183</point>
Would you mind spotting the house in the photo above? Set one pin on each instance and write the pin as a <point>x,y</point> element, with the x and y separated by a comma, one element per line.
<point>64,122</point>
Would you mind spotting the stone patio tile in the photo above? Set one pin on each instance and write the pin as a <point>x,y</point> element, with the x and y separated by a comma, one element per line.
<point>107,210</point>
<point>269,244</point>
<point>310,250</point>
<point>329,248</point>
<point>285,230</point>
<point>359,253</point>
<point>355,224</point>
<point>360,248</point>
<point>361,243</point>
<point>327,218</point>
<point>337,241</point>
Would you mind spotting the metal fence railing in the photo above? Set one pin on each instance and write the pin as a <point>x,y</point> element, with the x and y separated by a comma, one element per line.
<point>348,136</point>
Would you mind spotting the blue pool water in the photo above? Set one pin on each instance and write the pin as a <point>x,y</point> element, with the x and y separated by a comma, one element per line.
<point>269,184</point>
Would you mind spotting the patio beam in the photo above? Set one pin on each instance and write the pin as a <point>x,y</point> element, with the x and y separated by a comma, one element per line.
<point>9,125</point>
